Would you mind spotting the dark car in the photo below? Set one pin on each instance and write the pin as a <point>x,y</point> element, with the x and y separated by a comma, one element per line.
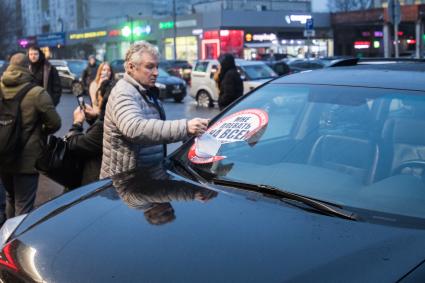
<point>178,68</point>
<point>313,177</point>
<point>280,67</point>
<point>300,65</point>
<point>170,86</point>
<point>70,74</point>
<point>118,68</point>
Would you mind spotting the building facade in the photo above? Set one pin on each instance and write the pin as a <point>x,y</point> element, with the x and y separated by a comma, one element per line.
<point>370,33</point>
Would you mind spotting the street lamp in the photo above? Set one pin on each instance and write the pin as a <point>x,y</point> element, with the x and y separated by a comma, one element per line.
<point>61,22</point>
<point>174,30</point>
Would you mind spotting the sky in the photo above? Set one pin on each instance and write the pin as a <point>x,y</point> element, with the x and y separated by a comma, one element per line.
<point>319,5</point>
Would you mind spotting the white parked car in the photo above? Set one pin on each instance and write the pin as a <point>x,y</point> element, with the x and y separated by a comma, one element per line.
<point>204,89</point>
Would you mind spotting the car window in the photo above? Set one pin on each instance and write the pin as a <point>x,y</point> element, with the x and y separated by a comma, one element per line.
<point>162,73</point>
<point>258,71</point>
<point>77,67</point>
<point>358,147</point>
<point>201,67</point>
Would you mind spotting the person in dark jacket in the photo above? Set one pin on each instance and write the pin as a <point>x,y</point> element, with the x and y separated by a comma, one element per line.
<point>88,145</point>
<point>89,73</point>
<point>229,81</point>
<point>39,119</point>
<point>45,75</point>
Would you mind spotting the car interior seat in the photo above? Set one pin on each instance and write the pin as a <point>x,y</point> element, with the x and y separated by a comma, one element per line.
<point>404,144</point>
<point>350,155</point>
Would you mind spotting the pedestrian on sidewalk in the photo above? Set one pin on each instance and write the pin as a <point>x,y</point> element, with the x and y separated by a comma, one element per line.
<point>45,75</point>
<point>229,81</point>
<point>135,129</point>
<point>39,118</point>
<point>89,74</point>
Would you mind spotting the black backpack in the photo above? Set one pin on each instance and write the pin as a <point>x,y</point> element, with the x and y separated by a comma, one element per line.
<point>11,125</point>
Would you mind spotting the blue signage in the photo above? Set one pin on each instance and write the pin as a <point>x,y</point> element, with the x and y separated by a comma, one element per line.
<point>51,39</point>
<point>309,24</point>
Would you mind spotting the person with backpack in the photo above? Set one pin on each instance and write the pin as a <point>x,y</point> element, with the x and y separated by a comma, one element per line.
<point>27,116</point>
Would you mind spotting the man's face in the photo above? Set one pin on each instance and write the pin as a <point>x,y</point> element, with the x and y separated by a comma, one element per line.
<point>145,72</point>
<point>33,55</point>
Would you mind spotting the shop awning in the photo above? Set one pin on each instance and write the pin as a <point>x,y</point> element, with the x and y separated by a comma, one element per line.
<point>258,44</point>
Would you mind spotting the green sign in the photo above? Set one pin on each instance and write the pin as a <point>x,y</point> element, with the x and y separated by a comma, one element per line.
<point>166,25</point>
<point>136,30</point>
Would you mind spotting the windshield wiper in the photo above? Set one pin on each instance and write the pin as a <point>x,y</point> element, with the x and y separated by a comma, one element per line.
<point>194,175</point>
<point>270,190</point>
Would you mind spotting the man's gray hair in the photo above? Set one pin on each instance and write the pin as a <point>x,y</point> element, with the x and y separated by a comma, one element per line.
<point>134,53</point>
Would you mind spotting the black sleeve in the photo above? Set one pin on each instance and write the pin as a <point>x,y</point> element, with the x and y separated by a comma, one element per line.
<point>84,77</point>
<point>231,88</point>
<point>87,144</point>
<point>56,86</point>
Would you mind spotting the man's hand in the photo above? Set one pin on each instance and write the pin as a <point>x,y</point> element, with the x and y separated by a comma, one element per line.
<point>79,116</point>
<point>197,126</point>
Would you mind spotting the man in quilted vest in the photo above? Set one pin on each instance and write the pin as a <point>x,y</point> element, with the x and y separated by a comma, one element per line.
<point>135,129</point>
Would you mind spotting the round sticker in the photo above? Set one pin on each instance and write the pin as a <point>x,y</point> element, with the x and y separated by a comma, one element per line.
<point>244,125</point>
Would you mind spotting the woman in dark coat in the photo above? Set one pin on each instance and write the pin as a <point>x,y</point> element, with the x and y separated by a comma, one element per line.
<point>229,81</point>
<point>88,145</point>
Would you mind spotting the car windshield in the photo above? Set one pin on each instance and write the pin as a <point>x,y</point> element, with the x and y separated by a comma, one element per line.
<point>77,67</point>
<point>258,71</point>
<point>162,73</point>
<point>352,146</point>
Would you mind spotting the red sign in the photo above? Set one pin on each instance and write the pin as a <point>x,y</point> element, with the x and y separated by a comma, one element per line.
<point>244,125</point>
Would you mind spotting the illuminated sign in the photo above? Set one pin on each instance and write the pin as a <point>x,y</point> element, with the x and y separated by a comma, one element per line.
<point>376,44</point>
<point>179,24</point>
<point>85,35</point>
<point>114,32</point>
<point>378,34</point>
<point>224,33</point>
<point>197,31</point>
<point>302,19</point>
<point>166,25</point>
<point>411,41</point>
<point>186,23</point>
<point>361,44</point>
<point>260,37</point>
<point>25,42</point>
<point>138,30</point>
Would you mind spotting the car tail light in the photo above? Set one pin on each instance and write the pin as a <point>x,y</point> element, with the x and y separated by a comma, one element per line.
<point>6,258</point>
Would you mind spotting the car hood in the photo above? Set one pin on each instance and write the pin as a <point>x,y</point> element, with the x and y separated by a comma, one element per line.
<point>171,229</point>
<point>169,80</point>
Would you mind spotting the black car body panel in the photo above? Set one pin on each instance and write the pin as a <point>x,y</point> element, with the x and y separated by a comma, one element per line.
<point>174,88</point>
<point>236,236</point>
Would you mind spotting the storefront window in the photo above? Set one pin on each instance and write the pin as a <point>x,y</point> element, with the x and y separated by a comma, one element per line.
<point>187,48</point>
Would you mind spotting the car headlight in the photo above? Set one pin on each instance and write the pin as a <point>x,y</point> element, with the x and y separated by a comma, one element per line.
<point>160,85</point>
<point>9,227</point>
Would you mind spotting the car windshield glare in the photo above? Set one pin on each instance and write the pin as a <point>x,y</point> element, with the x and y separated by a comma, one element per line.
<point>353,146</point>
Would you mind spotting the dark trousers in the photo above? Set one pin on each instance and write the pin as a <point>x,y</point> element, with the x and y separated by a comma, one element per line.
<point>21,190</point>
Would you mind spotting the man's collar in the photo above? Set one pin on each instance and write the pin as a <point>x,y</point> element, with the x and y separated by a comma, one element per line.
<point>132,81</point>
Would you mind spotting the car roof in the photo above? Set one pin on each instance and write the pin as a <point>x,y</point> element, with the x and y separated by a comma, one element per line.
<point>57,62</point>
<point>406,76</point>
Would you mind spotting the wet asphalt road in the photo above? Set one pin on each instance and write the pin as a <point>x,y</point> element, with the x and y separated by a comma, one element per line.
<point>188,109</point>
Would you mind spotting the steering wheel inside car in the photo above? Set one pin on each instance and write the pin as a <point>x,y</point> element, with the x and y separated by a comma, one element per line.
<point>410,163</point>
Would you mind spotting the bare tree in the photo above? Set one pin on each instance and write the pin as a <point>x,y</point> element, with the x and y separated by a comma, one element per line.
<point>8,28</point>
<point>349,5</point>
